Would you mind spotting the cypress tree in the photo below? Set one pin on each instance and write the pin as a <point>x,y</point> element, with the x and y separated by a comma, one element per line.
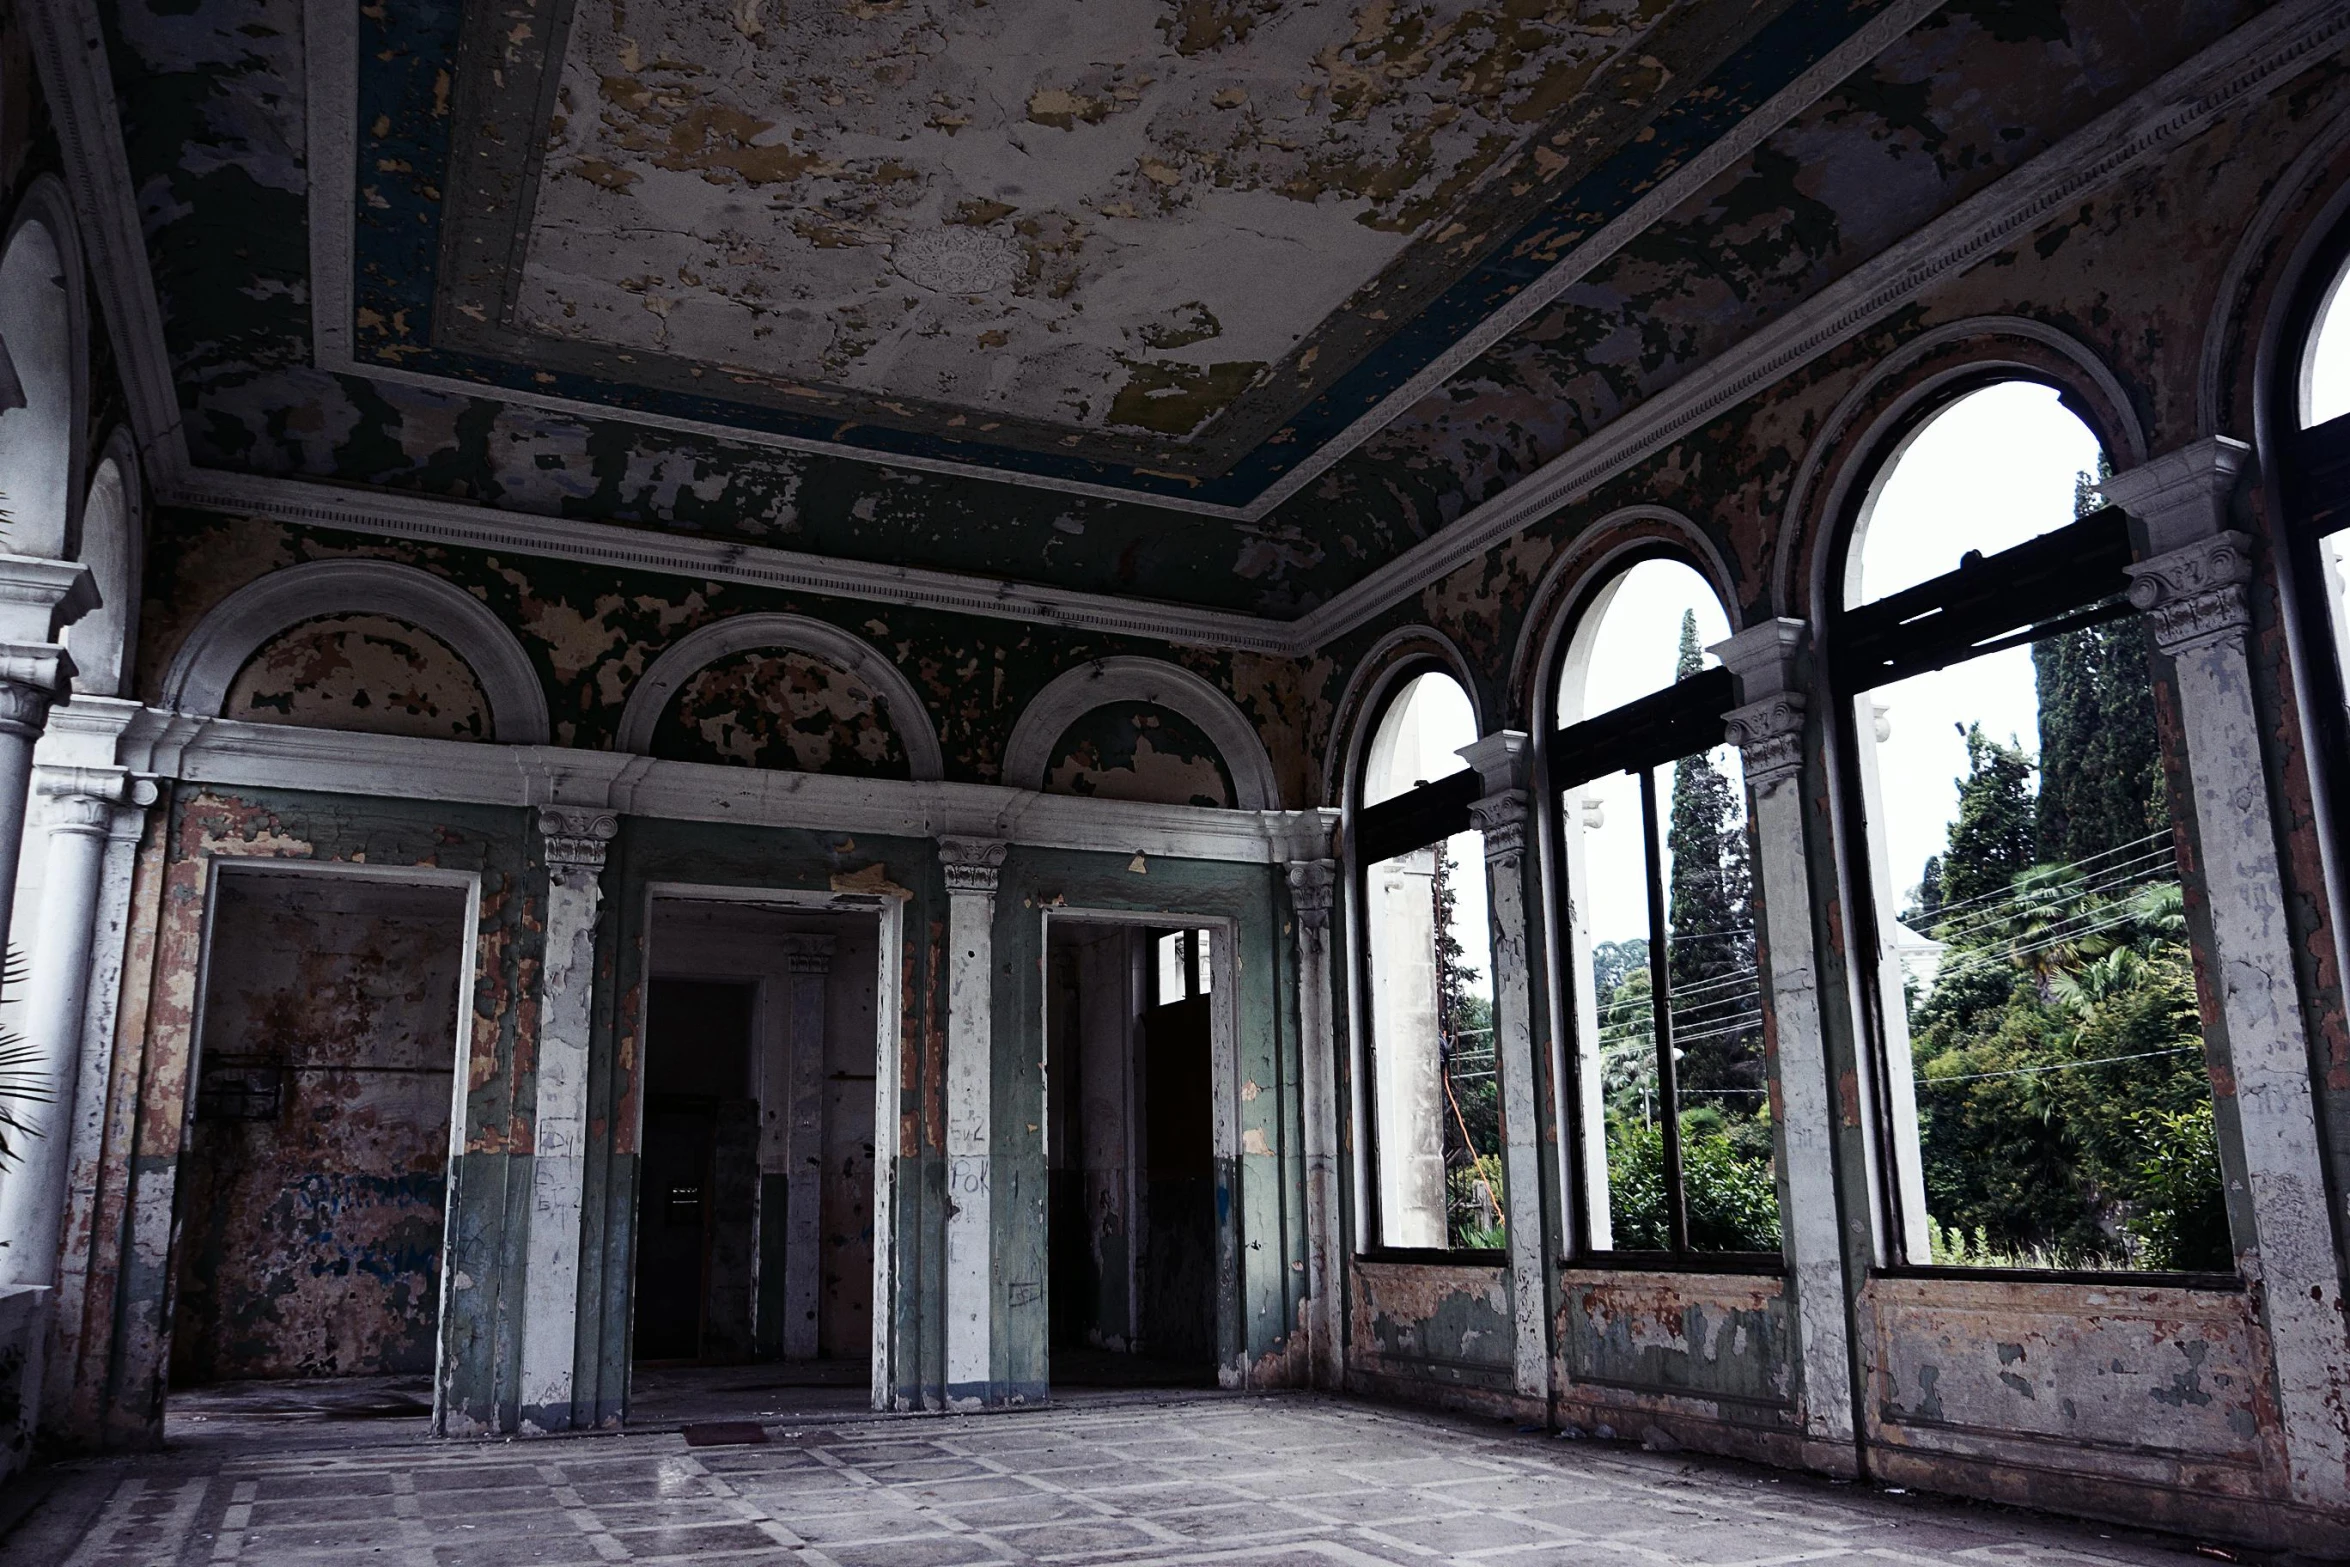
<point>1992,839</point>
<point>1712,964</point>
<point>2099,757</point>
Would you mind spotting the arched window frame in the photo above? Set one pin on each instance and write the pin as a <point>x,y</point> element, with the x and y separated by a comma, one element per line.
<point>1639,736</point>
<point>2066,579</point>
<point>1418,818</point>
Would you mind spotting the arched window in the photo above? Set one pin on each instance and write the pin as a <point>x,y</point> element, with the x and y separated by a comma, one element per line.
<point>1672,1102</point>
<point>2317,447</point>
<point>1432,1099</point>
<point>2032,997</point>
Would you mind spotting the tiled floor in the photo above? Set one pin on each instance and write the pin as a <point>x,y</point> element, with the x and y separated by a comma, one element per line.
<point>1250,1481</point>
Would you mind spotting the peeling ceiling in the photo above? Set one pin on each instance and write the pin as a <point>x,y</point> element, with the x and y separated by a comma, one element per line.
<point>365,260</point>
<point>1133,242</point>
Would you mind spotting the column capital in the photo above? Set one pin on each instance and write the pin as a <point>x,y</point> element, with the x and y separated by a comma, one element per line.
<point>2181,497</point>
<point>971,864</point>
<point>1313,888</point>
<point>1501,818</point>
<point>1769,737</point>
<point>2195,593</point>
<point>86,799</point>
<point>33,677</point>
<point>1767,725</point>
<point>577,839</point>
<point>1503,759</point>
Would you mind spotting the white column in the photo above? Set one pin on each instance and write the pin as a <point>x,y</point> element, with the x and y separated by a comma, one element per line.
<point>1768,729</point>
<point>972,867</point>
<point>126,826</point>
<point>1313,885</point>
<point>1502,760</point>
<point>39,598</point>
<point>2193,587</point>
<point>81,803</point>
<point>809,960</point>
<point>576,841</point>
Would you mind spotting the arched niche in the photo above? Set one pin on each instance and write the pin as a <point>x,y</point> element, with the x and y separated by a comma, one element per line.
<point>1139,751</point>
<point>104,641</point>
<point>785,691</point>
<point>1037,742</point>
<point>327,610</point>
<point>42,376</point>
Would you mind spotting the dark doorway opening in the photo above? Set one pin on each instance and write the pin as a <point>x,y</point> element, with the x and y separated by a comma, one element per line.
<point>755,1236</point>
<point>697,1201</point>
<point>1130,1106</point>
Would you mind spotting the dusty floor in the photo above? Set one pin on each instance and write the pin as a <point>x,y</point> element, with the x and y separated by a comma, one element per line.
<point>1255,1481</point>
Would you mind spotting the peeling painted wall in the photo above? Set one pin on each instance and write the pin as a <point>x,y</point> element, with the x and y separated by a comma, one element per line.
<point>772,708</point>
<point>1441,1332</point>
<point>365,672</point>
<point>1139,751</point>
<point>312,1205</point>
<point>2163,1391</point>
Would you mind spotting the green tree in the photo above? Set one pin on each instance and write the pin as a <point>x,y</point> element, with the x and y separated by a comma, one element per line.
<point>1711,962</point>
<point>1992,839</point>
<point>2100,755</point>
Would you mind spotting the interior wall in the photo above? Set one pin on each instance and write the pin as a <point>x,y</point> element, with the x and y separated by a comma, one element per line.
<point>317,1168</point>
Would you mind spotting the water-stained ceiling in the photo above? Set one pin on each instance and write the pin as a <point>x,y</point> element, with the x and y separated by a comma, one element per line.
<point>1144,231</point>
<point>1224,302</point>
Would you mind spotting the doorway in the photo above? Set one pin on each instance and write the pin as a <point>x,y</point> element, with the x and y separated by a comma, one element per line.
<point>1130,1116</point>
<point>755,1197</point>
<point>313,1193</point>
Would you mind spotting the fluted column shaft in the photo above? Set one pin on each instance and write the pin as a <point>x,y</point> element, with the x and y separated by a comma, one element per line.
<point>973,866</point>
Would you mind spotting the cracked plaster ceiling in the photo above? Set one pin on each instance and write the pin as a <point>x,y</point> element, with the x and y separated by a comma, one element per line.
<point>1160,245</point>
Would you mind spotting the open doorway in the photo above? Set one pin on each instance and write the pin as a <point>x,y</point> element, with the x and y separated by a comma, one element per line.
<point>755,1196</point>
<point>1130,1113</point>
<point>314,1188</point>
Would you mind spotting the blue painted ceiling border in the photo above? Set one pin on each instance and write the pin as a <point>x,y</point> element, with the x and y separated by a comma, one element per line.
<point>407,62</point>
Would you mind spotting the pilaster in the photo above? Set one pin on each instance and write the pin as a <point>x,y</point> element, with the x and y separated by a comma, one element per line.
<point>1313,887</point>
<point>972,866</point>
<point>1768,728</point>
<point>2193,591</point>
<point>1503,761</point>
<point>575,841</point>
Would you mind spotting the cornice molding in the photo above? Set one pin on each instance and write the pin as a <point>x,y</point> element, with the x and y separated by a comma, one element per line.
<point>721,560</point>
<point>595,784</point>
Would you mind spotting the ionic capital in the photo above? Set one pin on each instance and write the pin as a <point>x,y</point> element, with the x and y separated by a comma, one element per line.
<point>577,840</point>
<point>86,800</point>
<point>1501,819</point>
<point>2195,595</point>
<point>971,864</point>
<point>33,677</point>
<point>1313,888</point>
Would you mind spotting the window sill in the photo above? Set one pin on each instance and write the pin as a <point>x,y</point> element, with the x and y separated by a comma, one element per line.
<point>1430,1258</point>
<point>1746,1262</point>
<point>2216,1283</point>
